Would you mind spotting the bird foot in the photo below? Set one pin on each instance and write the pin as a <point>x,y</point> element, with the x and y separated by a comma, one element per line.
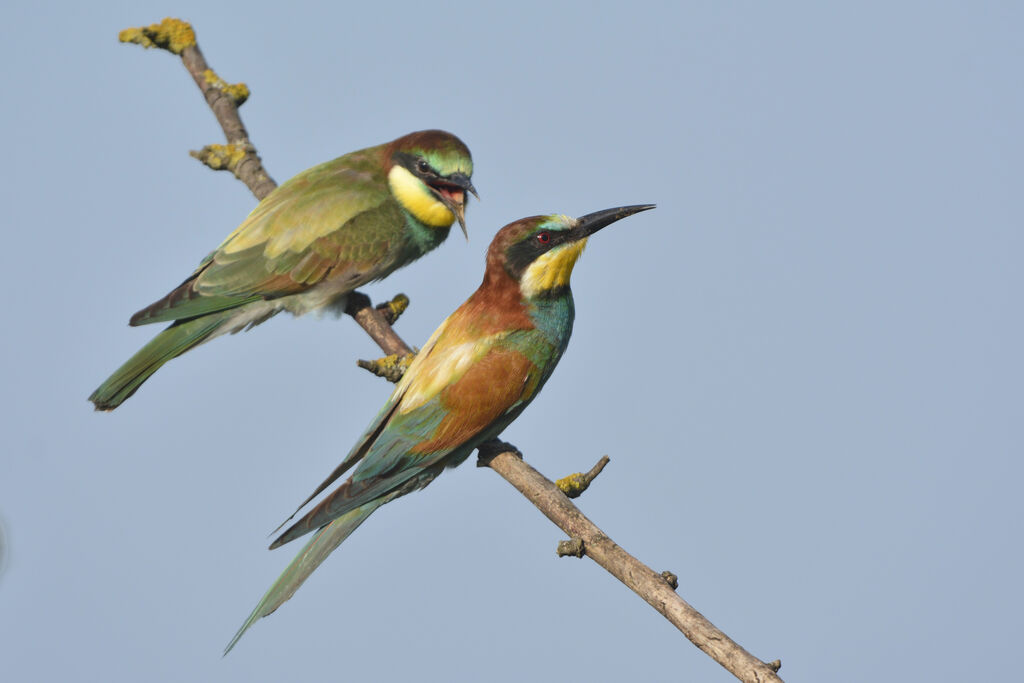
<point>488,450</point>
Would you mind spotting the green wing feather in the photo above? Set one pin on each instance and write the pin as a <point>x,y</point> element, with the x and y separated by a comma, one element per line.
<point>170,343</point>
<point>334,220</point>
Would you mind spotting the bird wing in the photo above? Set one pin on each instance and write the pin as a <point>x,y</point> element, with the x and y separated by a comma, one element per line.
<point>453,395</point>
<point>379,423</point>
<point>328,221</point>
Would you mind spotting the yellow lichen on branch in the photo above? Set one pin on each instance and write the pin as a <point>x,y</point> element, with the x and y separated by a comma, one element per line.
<point>390,367</point>
<point>221,157</point>
<point>173,35</point>
<point>239,92</point>
<point>393,309</point>
<point>575,484</point>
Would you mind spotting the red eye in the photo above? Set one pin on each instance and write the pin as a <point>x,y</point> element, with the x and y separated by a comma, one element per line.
<point>543,236</point>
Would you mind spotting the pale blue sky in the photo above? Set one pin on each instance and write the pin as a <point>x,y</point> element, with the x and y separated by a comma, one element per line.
<point>805,364</point>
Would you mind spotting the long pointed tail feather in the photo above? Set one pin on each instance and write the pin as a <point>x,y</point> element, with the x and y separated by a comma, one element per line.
<point>316,551</point>
<point>171,342</point>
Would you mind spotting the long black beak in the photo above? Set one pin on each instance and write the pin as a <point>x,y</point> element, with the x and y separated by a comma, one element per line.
<point>592,222</point>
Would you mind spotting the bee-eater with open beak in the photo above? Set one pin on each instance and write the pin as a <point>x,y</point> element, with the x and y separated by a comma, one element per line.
<point>310,242</point>
<point>472,378</point>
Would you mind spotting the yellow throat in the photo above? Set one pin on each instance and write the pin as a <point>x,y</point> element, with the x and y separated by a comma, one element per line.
<point>552,270</point>
<point>418,199</point>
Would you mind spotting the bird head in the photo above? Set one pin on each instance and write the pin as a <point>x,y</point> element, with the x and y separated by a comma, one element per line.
<point>429,173</point>
<point>540,252</point>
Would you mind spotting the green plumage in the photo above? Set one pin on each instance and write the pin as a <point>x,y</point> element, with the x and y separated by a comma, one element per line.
<point>172,342</point>
<point>325,232</point>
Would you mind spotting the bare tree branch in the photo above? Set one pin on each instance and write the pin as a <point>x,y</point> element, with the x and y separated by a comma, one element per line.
<point>375,322</point>
<point>587,539</point>
<point>239,156</point>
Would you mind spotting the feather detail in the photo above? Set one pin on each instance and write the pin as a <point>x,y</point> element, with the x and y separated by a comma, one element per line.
<point>170,343</point>
<point>298,570</point>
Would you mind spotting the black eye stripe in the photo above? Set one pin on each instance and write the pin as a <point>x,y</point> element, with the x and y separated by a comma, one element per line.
<point>415,164</point>
<point>521,254</point>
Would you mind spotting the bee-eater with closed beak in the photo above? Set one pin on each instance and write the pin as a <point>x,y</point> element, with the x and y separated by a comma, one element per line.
<point>314,239</point>
<point>472,378</point>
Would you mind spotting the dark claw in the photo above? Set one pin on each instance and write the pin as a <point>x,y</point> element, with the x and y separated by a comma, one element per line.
<point>489,449</point>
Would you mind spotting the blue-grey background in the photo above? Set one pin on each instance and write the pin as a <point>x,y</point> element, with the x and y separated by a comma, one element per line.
<point>805,365</point>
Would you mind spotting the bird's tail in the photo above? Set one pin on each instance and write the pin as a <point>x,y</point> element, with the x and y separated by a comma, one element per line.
<point>316,551</point>
<point>171,342</point>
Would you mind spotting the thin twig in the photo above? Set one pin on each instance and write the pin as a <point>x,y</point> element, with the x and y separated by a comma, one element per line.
<point>644,581</point>
<point>390,367</point>
<point>239,156</point>
<point>575,484</point>
<point>374,321</point>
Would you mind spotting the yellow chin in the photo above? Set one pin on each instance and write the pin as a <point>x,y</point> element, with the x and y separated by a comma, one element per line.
<point>552,270</point>
<point>418,200</point>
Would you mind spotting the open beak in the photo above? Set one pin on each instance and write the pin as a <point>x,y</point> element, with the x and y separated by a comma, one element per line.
<point>592,222</point>
<point>462,180</point>
<point>452,191</point>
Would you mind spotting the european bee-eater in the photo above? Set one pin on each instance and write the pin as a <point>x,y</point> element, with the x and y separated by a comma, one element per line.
<point>314,239</point>
<point>472,378</point>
